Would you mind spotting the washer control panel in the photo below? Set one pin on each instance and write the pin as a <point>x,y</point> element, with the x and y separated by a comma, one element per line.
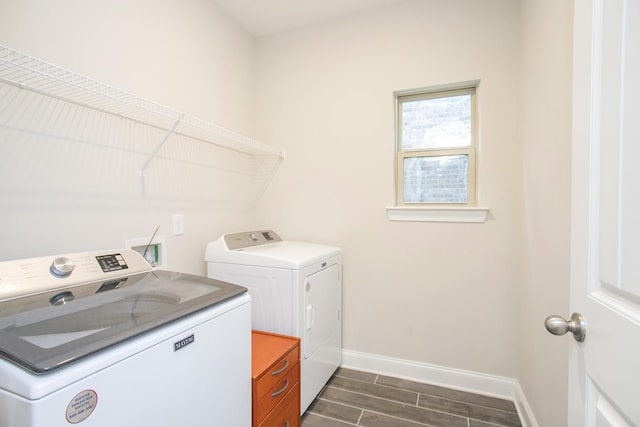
<point>36,275</point>
<point>247,239</point>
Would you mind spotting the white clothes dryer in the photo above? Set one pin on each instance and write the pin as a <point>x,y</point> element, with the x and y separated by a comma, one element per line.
<point>295,289</point>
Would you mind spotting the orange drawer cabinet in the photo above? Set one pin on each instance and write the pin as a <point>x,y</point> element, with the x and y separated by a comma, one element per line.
<point>275,371</point>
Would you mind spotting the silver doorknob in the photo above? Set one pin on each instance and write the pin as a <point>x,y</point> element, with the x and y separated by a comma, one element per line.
<point>557,325</point>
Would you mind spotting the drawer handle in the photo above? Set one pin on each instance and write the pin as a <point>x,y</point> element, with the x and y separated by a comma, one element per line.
<point>286,384</point>
<point>281,370</point>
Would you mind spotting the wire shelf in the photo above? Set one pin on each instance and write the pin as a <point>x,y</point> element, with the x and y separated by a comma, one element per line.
<point>27,72</point>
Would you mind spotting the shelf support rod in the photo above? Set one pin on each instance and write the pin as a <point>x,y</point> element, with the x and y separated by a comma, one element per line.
<point>166,137</point>
<point>267,180</point>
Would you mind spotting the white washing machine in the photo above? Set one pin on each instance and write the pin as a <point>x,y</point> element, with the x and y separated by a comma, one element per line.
<point>295,289</point>
<point>101,339</point>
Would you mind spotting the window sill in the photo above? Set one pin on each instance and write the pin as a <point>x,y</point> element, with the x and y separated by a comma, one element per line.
<point>437,214</point>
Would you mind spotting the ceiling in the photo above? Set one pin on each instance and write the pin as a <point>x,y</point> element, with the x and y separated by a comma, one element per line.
<point>266,17</point>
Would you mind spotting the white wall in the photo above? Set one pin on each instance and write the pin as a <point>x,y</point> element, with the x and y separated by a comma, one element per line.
<point>546,108</point>
<point>69,194</point>
<point>443,294</point>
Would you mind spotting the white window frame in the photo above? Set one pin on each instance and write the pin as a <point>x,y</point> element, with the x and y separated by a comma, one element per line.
<point>454,212</point>
<point>469,150</point>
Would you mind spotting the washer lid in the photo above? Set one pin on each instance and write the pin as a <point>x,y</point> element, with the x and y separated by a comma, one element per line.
<point>278,254</point>
<point>41,336</point>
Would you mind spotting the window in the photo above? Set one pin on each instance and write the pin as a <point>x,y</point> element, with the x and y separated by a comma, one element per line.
<point>436,147</point>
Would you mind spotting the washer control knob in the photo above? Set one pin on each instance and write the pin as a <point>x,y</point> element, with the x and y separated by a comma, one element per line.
<point>62,266</point>
<point>254,237</point>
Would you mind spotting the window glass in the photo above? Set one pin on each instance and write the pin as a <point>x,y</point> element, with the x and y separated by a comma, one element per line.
<point>436,123</point>
<point>436,179</point>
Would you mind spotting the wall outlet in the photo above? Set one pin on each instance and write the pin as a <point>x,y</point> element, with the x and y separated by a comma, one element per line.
<point>178,224</point>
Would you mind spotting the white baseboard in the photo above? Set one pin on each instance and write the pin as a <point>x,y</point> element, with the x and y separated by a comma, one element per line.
<point>524,410</point>
<point>474,382</point>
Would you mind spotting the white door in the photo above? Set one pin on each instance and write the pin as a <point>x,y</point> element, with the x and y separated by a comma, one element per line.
<point>604,381</point>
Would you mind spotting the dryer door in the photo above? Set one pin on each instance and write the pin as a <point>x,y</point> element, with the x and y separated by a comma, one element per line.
<point>322,305</point>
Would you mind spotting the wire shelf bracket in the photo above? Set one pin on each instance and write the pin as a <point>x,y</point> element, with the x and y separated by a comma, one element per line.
<point>153,154</point>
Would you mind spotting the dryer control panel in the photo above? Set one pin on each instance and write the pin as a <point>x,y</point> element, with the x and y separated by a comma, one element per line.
<point>247,239</point>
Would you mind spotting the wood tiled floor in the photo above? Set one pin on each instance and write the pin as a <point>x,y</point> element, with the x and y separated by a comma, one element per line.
<point>355,398</point>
